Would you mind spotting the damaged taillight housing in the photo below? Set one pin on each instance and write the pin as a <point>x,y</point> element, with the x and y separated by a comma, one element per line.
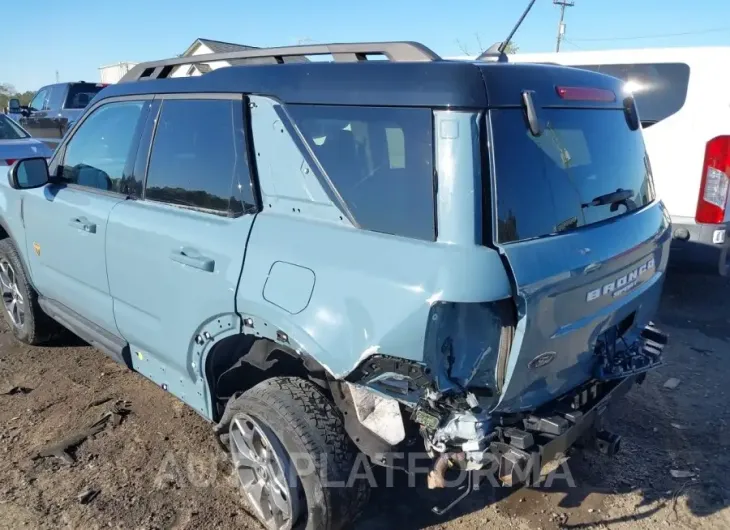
<point>467,345</point>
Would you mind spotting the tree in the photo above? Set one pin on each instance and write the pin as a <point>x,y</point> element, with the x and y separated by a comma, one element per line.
<point>7,92</point>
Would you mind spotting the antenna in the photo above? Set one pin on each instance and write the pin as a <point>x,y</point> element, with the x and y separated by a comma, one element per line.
<point>497,49</point>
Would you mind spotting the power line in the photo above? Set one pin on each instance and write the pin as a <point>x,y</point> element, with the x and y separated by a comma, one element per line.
<point>573,44</point>
<point>561,26</point>
<point>658,36</point>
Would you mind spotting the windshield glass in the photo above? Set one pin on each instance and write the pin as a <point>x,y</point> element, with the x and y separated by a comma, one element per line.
<point>80,94</point>
<point>586,167</point>
<point>9,130</point>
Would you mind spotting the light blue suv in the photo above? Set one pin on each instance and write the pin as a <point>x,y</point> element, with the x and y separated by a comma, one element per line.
<point>335,259</point>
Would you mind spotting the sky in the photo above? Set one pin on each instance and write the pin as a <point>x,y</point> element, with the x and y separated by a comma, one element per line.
<point>76,37</point>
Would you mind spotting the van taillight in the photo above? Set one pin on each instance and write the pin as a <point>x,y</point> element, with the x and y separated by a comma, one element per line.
<point>715,180</point>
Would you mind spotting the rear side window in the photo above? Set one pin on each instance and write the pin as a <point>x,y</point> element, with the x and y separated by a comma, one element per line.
<point>586,167</point>
<point>199,157</point>
<point>80,94</point>
<point>380,160</point>
<point>660,90</point>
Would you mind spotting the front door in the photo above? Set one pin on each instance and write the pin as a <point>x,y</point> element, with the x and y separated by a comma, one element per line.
<point>66,224</point>
<point>175,255</point>
<point>31,120</point>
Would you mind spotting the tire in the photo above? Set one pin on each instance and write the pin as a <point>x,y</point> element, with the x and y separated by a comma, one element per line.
<point>35,327</point>
<point>305,423</point>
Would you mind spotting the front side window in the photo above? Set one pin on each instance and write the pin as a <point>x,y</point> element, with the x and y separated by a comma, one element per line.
<point>96,155</point>
<point>380,160</point>
<point>198,157</point>
<point>40,100</point>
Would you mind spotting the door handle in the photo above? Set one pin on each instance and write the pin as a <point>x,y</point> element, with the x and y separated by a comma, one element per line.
<point>193,258</point>
<point>83,224</point>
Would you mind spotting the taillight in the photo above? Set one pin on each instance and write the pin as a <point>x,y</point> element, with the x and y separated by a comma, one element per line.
<point>585,94</point>
<point>715,180</point>
<point>10,161</point>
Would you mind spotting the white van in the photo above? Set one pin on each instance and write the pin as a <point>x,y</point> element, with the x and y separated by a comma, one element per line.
<point>683,97</point>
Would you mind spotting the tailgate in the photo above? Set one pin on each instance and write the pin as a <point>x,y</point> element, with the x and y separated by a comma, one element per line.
<point>584,238</point>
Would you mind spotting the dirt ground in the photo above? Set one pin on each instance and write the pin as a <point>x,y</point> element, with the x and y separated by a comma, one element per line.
<point>157,466</point>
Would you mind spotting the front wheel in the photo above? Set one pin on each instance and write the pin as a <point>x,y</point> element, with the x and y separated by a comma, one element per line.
<point>26,319</point>
<point>295,463</point>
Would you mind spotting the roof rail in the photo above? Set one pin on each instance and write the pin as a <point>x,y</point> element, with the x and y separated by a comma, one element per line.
<point>352,52</point>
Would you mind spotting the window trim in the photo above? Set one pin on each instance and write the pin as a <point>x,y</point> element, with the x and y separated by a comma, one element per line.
<point>191,96</point>
<point>59,155</point>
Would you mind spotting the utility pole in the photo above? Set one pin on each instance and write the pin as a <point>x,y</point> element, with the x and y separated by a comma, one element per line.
<point>561,26</point>
<point>57,76</point>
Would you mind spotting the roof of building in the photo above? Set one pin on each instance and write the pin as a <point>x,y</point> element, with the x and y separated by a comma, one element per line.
<point>216,46</point>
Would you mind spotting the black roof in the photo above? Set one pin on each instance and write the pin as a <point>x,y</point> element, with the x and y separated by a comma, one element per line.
<point>441,83</point>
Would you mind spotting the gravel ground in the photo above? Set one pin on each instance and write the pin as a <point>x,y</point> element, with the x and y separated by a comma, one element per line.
<point>155,464</point>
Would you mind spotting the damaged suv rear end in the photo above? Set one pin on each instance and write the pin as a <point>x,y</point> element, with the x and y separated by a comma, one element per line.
<point>545,318</point>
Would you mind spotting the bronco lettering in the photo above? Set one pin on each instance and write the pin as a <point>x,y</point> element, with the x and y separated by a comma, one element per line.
<point>623,284</point>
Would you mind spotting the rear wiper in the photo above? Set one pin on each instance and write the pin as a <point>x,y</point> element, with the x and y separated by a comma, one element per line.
<point>615,199</point>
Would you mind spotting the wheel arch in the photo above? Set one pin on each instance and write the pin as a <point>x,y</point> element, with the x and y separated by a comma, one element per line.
<point>256,352</point>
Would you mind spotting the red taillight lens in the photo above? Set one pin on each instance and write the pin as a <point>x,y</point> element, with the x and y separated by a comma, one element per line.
<point>585,94</point>
<point>715,179</point>
<point>10,161</point>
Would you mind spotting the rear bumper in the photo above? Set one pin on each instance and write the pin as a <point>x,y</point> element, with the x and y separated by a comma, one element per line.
<point>700,247</point>
<point>521,463</point>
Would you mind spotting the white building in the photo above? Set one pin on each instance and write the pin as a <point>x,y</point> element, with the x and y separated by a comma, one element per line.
<point>114,72</point>
<point>206,46</point>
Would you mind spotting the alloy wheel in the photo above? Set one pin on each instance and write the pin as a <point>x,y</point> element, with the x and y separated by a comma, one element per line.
<point>12,298</point>
<point>265,472</point>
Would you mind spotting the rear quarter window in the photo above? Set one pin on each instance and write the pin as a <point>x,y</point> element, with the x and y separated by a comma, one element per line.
<point>549,184</point>
<point>380,161</point>
<point>660,89</point>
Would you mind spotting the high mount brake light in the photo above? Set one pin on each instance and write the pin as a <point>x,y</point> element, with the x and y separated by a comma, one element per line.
<point>571,93</point>
<point>712,201</point>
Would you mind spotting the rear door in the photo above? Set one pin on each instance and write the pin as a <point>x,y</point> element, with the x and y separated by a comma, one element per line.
<point>580,263</point>
<point>175,253</point>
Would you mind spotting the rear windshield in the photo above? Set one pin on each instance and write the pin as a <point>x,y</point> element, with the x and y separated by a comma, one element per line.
<point>660,90</point>
<point>9,130</point>
<point>79,95</point>
<point>380,160</point>
<point>586,167</point>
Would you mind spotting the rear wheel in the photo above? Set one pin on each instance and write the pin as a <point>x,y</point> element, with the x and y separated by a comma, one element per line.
<point>293,459</point>
<point>26,319</point>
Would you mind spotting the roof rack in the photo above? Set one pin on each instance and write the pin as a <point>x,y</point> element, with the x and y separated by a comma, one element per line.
<point>352,52</point>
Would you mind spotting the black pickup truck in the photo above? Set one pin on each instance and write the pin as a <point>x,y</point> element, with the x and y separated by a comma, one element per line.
<point>55,107</point>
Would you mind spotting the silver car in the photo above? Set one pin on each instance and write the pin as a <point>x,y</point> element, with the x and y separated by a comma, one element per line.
<point>16,143</point>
